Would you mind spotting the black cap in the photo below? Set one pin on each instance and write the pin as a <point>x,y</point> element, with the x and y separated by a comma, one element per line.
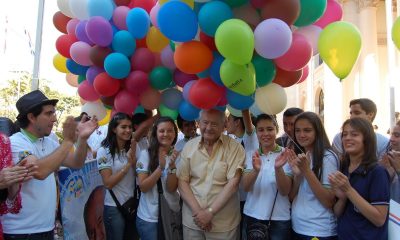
<point>31,100</point>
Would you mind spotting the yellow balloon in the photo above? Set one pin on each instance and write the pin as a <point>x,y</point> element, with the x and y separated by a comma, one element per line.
<point>339,46</point>
<point>60,63</point>
<point>396,33</point>
<point>155,40</point>
<point>106,119</point>
<point>190,3</point>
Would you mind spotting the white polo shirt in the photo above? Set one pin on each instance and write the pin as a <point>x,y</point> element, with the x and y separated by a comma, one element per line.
<point>39,197</point>
<point>261,198</point>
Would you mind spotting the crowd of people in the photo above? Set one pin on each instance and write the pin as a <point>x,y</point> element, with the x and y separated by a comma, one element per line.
<point>228,177</point>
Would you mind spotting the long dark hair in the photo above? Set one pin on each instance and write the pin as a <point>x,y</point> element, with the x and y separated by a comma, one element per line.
<point>369,158</point>
<point>321,142</point>
<point>110,141</point>
<point>154,145</point>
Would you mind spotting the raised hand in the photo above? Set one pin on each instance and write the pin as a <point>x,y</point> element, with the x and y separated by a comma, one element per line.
<point>293,162</point>
<point>69,129</point>
<point>335,187</point>
<point>87,127</point>
<point>172,159</point>
<point>282,159</point>
<point>256,161</point>
<point>340,181</point>
<point>394,159</point>
<point>304,162</point>
<point>132,152</point>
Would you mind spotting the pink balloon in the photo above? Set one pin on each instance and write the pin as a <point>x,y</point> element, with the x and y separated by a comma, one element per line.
<point>311,32</point>
<point>119,17</point>
<point>79,52</point>
<point>181,78</point>
<point>71,26</point>
<point>143,60</point>
<point>150,99</point>
<point>137,82</point>
<point>298,55</point>
<point>125,102</point>
<point>167,58</point>
<point>306,71</point>
<point>157,58</point>
<point>87,92</point>
<point>153,14</point>
<point>332,14</point>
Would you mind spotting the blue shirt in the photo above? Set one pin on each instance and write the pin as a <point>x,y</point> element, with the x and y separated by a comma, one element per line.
<point>374,186</point>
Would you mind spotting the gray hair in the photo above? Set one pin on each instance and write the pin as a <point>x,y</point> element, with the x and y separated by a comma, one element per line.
<point>220,113</point>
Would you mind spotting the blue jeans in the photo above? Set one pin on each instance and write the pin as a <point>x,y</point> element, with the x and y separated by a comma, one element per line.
<point>147,230</point>
<point>114,223</point>
<point>304,237</point>
<point>34,236</point>
<point>279,230</point>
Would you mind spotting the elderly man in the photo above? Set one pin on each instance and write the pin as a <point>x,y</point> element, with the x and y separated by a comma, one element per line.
<point>32,145</point>
<point>209,175</point>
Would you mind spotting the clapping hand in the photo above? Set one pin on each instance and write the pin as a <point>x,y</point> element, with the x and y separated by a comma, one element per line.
<point>293,162</point>
<point>132,152</point>
<point>340,183</point>
<point>282,159</point>
<point>256,161</point>
<point>86,127</point>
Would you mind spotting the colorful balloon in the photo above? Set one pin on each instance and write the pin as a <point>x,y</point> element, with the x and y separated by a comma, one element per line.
<point>339,46</point>
<point>94,109</point>
<point>188,112</point>
<point>117,65</point>
<point>155,40</point>
<point>332,14</point>
<point>150,99</point>
<point>310,12</point>
<point>205,94</point>
<point>238,101</point>
<point>87,92</point>
<point>119,17</point>
<point>138,22</point>
<point>167,112</point>
<point>143,60</point>
<point>396,33</point>
<point>298,55</point>
<point>105,85</point>
<point>125,102</point>
<point>60,21</point>
<point>287,78</point>
<point>137,82</point>
<point>99,31</point>
<point>212,14</point>
<point>160,78</point>
<point>193,57</point>
<point>60,63</point>
<point>172,98</point>
<point>123,42</point>
<point>238,78</point>
<point>271,99</point>
<point>285,10</point>
<point>265,70</point>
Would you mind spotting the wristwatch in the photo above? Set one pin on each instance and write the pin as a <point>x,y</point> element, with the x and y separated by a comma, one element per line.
<point>172,171</point>
<point>210,210</point>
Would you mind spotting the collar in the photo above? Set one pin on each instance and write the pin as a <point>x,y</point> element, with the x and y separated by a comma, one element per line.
<point>276,149</point>
<point>188,138</point>
<point>360,170</point>
<point>29,135</point>
<point>222,139</point>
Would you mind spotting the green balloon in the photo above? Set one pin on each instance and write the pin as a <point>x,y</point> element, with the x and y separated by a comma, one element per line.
<point>396,33</point>
<point>167,112</point>
<point>81,78</point>
<point>236,3</point>
<point>139,109</point>
<point>265,70</point>
<point>235,41</point>
<point>160,78</point>
<point>172,45</point>
<point>238,78</point>
<point>310,12</point>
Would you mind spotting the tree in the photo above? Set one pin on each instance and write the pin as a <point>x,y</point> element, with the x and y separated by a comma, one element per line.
<point>15,88</point>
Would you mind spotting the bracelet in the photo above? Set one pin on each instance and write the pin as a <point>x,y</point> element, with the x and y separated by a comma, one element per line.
<point>171,170</point>
<point>162,169</point>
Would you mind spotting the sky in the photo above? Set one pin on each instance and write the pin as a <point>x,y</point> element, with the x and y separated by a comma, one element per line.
<point>18,19</point>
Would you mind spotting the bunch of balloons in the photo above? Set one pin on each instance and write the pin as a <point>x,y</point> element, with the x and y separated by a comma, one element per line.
<point>181,56</point>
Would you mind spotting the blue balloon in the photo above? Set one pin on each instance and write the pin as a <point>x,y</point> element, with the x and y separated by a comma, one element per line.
<point>204,74</point>
<point>214,70</point>
<point>177,21</point>
<point>188,112</point>
<point>212,14</point>
<point>172,98</point>
<point>238,101</point>
<point>75,68</point>
<point>139,109</point>
<point>103,8</point>
<point>138,22</point>
<point>124,43</point>
<point>221,108</point>
<point>117,65</point>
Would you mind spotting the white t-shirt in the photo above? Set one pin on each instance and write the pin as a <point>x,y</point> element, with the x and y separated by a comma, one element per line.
<point>381,144</point>
<point>261,198</point>
<point>97,137</point>
<point>309,216</point>
<point>39,197</point>
<point>123,190</point>
<point>148,204</point>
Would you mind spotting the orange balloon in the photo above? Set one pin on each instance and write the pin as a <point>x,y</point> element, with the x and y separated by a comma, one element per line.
<point>193,57</point>
<point>287,78</point>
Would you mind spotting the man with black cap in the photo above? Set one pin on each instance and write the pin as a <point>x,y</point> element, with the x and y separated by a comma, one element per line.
<point>39,196</point>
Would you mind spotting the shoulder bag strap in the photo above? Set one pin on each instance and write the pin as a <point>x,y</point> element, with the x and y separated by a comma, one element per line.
<point>115,199</point>
<point>272,210</point>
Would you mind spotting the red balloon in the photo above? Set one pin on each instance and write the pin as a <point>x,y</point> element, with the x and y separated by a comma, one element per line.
<point>306,71</point>
<point>141,43</point>
<point>105,85</point>
<point>143,60</point>
<point>109,101</point>
<point>125,102</point>
<point>286,78</point>
<point>137,82</point>
<point>97,54</point>
<point>257,3</point>
<point>63,44</point>
<point>285,10</point>
<point>145,4</point>
<point>205,94</point>
<point>122,2</point>
<point>298,55</point>
<point>209,41</point>
<point>87,92</point>
<point>60,21</point>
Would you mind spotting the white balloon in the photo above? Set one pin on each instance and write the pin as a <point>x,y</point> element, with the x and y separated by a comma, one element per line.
<point>271,99</point>
<point>255,110</point>
<point>235,112</point>
<point>79,8</point>
<point>63,5</point>
<point>311,32</point>
<point>94,109</point>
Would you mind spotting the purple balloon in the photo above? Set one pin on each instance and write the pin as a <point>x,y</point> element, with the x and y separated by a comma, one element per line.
<point>92,72</point>
<point>99,31</point>
<point>181,78</point>
<point>186,89</point>
<point>80,32</point>
<point>273,38</point>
